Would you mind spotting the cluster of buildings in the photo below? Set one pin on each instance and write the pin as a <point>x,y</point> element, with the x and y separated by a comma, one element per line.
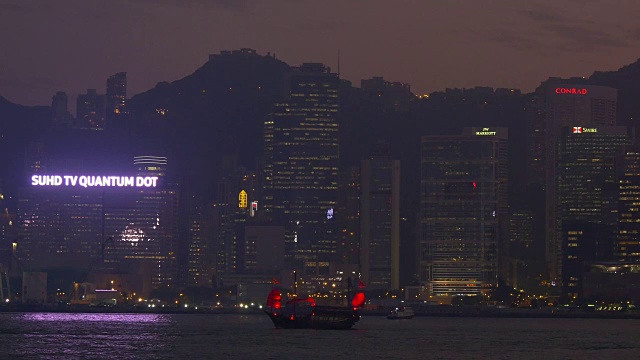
<point>94,111</point>
<point>301,211</point>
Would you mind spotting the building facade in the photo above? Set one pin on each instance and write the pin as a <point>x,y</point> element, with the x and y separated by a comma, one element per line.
<point>380,221</point>
<point>561,103</point>
<point>463,207</point>
<point>586,205</point>
<point>302,154</point>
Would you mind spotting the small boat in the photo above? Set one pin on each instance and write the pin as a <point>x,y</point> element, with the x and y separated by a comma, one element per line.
<point>403,312</point>
<point>303,313</point>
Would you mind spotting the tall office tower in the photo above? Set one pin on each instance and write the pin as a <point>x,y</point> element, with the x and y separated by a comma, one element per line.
<point>584,245</point>
<point>348,217</point>
<point>558,103</point>
<point>587,191</point>
<point>90,110</point>
<point>304,174</point>
<point>59,225</point>
<point>235,203</point>
<point>144,228</point>
<point>463,202</point>
<point>7,228</point>
<point>628,243</point>
<point>380,221</point>
<point>60,110</point>
<point>99,228</point>
<point>267,168</point>
<point>202,251</point>
<point>116,99</point>
<point>522,252</point>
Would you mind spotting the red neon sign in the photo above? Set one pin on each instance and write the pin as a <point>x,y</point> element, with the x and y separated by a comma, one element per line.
<point>574,91</point>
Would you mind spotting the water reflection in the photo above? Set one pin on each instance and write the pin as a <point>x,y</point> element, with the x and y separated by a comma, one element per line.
<point>117,318</point>
<point>85,335</point>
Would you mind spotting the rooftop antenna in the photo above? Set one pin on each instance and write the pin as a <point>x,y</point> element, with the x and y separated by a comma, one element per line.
<point>338,62</point>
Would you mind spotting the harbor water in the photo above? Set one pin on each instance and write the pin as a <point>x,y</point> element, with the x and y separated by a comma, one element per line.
<point>206,336</point>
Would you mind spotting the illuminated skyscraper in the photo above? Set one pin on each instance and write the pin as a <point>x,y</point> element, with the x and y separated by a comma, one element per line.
<point>380,221</point>
<point>587,194</point>
<point>348,217</point>
<point>303,183</point>
<point>628,242</point>
<point>116,98</point>
<point>559,103</point>
<point>90,111</point>
<point>106,228</point>
<point>463,207</point>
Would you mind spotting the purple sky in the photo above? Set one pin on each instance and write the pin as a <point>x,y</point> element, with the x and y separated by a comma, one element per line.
<point>72,45</point>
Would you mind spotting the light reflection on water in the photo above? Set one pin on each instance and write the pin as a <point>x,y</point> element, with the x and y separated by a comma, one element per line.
<point>118,318</point>
<point>155,336</point>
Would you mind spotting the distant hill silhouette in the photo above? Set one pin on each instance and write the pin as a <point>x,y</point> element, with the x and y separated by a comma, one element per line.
<point>627,81</point>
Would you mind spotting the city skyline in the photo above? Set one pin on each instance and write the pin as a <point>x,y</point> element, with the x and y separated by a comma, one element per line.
<point>168,41</point>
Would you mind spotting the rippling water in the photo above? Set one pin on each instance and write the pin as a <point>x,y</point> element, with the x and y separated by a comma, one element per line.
<point>155,336</point>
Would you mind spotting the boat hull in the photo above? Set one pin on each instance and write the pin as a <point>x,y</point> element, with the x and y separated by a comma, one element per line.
<point>393,317</point>
<point>326,319</point>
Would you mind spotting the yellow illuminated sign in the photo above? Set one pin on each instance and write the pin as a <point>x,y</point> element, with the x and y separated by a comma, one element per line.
<point>485,132</point>
<point>242,199</point>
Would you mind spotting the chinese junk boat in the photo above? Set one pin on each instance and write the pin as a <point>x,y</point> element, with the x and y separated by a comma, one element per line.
<point>303,313</point>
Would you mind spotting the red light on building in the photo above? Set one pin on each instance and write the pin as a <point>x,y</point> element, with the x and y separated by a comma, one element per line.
<point>573,91</point>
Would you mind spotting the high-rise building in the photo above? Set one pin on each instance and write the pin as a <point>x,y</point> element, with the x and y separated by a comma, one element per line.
<point>301,187</point>
<point>586,182</point>
<point>380,221</point>
<point>235,203</point>
<point>90,110</point>
<point>97,224</point>
<point>202,251</point>
<point>348,217</point>
<point>60,110</point>
<point>628,243</point>
<point>116,98</point>
<point>561,103</point>
<point>584,243</point>
<point>463,207</point>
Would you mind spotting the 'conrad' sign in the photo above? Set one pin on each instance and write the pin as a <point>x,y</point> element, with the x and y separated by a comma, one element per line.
<point>574,91</point>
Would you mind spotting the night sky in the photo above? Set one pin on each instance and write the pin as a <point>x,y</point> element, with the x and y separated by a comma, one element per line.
<point>72,45</point>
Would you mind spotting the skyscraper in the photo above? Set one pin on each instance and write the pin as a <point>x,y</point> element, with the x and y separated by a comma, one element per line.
<point>627,248</point>
<point>59,108</point>
<point>304,157</point>
<point>116,98</point>
<point>90,110</point>
<point>100,228</point>
<point>380,221</point>
<point>562,103</point>
<point>587,193</point>
<point>463,206</point>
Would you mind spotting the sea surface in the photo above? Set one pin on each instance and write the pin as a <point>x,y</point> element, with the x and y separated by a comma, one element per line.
<point>206,336</point>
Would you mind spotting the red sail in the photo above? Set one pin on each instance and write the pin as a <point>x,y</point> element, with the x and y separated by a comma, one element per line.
<point>358,300</point>
<point>274,299</point>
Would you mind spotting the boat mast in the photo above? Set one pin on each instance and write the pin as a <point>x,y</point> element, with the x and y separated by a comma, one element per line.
<point>295,292</point>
